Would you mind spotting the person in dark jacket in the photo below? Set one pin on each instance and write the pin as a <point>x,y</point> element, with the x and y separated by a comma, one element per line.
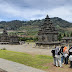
<point>53,54</point>
<point>70,57</point>
<point>62,54</point>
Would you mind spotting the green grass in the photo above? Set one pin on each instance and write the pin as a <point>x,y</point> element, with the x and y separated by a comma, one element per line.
<point>36,61</point>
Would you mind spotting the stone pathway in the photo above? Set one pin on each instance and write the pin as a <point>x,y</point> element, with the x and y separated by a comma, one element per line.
<point>10,66</point>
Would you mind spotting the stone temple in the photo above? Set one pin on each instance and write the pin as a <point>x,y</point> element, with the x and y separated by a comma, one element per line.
<point>8,39</point>
<point>48,34</point>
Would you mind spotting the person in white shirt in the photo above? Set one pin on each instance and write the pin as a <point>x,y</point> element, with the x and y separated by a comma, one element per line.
<point>57,55</point>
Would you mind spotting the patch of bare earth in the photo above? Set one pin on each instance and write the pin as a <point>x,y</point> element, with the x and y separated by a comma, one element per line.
<point>52,68</point>
<point>27,48</point>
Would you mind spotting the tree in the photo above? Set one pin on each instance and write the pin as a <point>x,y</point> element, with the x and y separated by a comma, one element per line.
<point>59,37</point>
<point>71,34</point>
<point>64,35</point>
<point>67,34</point>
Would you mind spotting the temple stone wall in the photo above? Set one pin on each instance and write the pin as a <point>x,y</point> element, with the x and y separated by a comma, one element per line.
<point>14,40</point>
<point>46,38</point>
<point>49,37</point>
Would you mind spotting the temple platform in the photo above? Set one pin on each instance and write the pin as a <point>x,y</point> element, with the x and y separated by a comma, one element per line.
<point>47,45</point>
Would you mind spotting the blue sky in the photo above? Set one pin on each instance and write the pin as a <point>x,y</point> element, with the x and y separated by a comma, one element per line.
<point>35,9</point>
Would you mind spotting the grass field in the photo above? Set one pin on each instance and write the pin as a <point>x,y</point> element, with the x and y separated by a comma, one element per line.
<point>43,62</point>
<point>36,61</point>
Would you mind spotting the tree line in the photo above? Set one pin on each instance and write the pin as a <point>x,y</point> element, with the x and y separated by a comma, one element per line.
<point>61,35</point>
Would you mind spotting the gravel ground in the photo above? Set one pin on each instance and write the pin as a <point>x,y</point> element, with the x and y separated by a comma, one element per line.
<point>28,48</point>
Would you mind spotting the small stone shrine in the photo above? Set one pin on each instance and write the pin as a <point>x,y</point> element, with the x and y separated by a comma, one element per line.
<point>66,41</point>
<point>47,35</point>
<point>14,39</point>
<point>4,36</point>
<point>8,39</point>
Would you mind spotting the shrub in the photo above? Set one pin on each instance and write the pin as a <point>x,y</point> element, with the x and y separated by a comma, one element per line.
<point>3,49</point>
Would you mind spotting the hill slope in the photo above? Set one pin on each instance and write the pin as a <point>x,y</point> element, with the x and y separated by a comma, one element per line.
<point>31,27</point>
<point>16,24</point>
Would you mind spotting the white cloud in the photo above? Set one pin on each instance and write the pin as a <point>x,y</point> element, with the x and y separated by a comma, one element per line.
<point>35,9</point>
<point>1,19</point>
<point>11,11</point>
<point>64,12</point>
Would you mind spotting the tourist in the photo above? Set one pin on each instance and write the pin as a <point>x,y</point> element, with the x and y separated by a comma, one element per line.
<point>53,54</point>
<point>65,50</point>
<point>57,55</point>
<point>62,54</point>
<point>70,57</point>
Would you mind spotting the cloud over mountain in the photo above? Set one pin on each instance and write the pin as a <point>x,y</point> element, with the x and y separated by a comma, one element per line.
<point>35,9</point>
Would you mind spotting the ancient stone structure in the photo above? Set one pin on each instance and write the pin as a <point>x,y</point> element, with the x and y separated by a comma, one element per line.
<point>4,37</point>
<point>48,34</point>
<point>14,39</point>
<point>66,41</point>
<point>8,39</point>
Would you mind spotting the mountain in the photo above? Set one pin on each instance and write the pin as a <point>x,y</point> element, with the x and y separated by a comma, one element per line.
<point>16,24</point>
<point>30,28</point>
<point>61,22</point>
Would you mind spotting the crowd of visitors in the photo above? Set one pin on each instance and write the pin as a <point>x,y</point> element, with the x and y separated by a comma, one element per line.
<point>62,55</point>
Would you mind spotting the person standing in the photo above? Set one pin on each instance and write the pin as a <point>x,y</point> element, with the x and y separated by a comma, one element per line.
<point>57,55</point>
<point>70,57</point>
<point>53,54</point>
<point>62,54</point>
<point>65,50</point>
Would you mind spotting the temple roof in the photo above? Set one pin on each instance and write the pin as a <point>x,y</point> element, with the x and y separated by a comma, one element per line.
<point>47,16</point>
<point>47,27</point>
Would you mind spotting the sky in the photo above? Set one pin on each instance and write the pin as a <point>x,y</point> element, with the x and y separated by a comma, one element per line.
<point>35,9</point>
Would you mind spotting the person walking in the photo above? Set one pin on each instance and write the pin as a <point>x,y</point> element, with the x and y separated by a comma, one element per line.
<point>57,55</point>
<point>65,50</point>
<point>53,54</point>
<point>62,54</point>
<point>70,57</point>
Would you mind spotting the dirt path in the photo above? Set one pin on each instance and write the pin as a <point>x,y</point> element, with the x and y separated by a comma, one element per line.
<point>53,68</point>
<point>28,48</point>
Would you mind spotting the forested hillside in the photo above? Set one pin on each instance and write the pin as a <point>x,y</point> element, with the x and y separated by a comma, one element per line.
<point>30,28</point>
<point>16,24</point>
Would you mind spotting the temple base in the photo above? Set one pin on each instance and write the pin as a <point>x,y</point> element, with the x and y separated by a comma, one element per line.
<point>47,45</point>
